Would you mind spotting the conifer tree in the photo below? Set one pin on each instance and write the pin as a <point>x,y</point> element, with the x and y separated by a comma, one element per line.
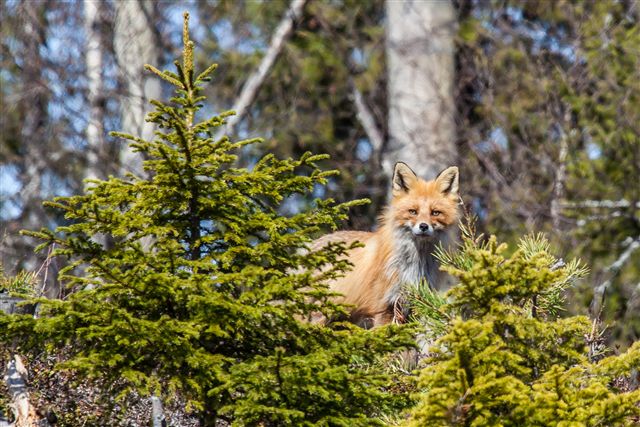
<point>505,356</point>
<point>200,293</point>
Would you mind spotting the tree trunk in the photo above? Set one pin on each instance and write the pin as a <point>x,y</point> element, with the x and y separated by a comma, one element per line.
<point>98,162</point>
<point>35,130</point>
<point>420,57</point>
<point>136,44</point>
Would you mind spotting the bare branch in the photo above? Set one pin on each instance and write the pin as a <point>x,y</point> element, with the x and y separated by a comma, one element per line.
<point>606,204</point>
<point>283,31</point>
<point>612,271</point>
<point>583,221</point>
<point>367,120</point>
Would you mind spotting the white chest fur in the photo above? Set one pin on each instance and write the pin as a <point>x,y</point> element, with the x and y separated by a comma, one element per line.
<point>412,261</point>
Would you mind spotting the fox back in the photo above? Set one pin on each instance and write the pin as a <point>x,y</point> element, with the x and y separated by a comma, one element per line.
<point>421,215</point>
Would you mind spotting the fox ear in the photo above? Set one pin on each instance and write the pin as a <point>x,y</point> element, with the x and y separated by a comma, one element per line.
<point>447,181</point>
<point>403,178</point>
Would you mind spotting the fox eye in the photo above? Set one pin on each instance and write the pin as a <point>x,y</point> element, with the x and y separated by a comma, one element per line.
<point>435,213</point>
<point>413,212</point>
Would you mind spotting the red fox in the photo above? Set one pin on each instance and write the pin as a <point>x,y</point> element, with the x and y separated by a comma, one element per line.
<point>421,215</point>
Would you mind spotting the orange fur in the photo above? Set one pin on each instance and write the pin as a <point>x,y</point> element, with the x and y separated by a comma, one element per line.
<point>399,252</point>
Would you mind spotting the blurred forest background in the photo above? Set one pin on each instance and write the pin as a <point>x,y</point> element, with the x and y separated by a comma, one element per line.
<point>538,102</point>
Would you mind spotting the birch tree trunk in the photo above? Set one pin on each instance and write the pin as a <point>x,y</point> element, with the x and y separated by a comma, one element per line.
<point>136,44</point>
<point>98,163</point>
<point>420,58</point>
<point>101,160</point>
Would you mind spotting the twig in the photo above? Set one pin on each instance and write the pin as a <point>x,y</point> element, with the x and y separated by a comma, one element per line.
<point>254,82</point>
<point>595,341</point>
<point>45,266</point>
<point>398,312</point>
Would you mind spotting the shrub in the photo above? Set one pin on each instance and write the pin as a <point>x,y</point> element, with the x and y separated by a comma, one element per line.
<point>506,357</point>
<point>187,282</point>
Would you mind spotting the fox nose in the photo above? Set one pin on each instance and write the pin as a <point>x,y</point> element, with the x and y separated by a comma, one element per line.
<point>424,227</point>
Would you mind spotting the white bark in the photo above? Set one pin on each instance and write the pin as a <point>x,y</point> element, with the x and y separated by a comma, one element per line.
<point>97,163</point>
<point>135,45</point>
<point>283,31</point>
<point>15,379</point>
<point>157,413</point>
<point>420,58</point>
<point>604,204</point>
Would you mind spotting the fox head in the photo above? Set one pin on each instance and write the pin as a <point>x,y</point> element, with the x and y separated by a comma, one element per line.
<point>423,208</point>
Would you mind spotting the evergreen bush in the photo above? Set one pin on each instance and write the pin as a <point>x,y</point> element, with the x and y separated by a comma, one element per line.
<point>505,356</point>
<point>187,283</point>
